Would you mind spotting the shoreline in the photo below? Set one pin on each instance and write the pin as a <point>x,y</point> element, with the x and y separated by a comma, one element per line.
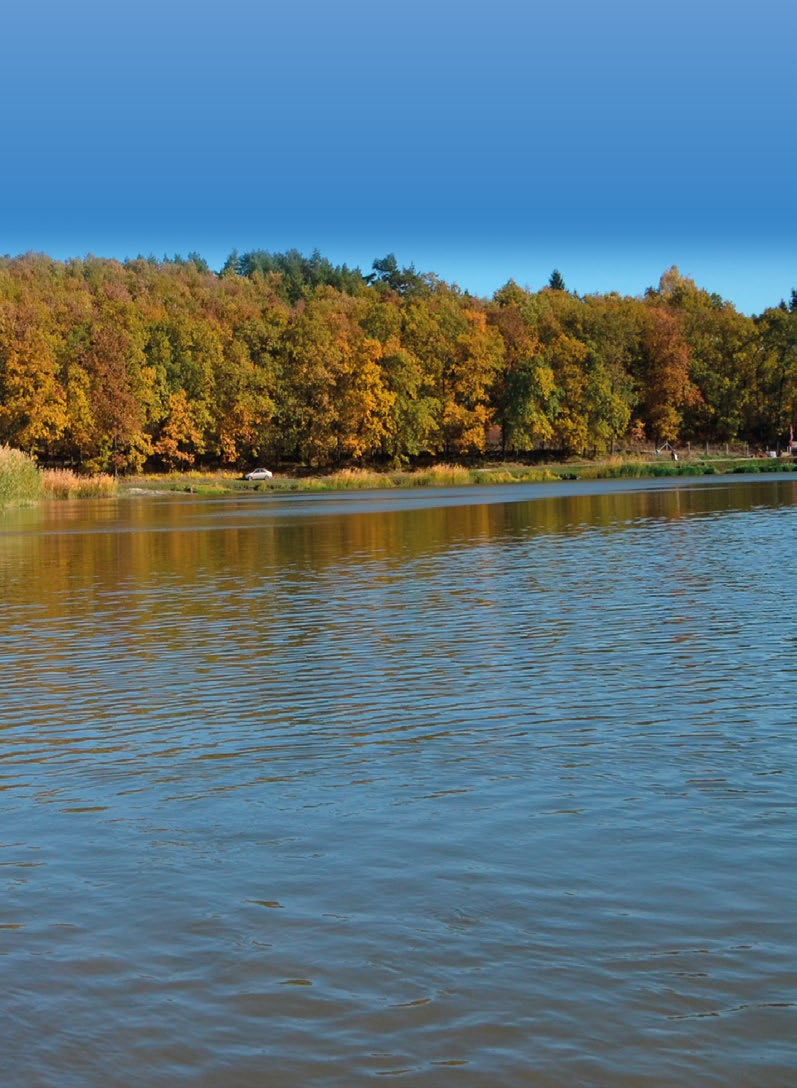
<point>504,473</point>
<point>55,485</point>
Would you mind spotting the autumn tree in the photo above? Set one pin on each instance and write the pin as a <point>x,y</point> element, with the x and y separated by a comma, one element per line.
<point>611,329</point>
<point>333,401</point>
<point>776,373</point>
<point>667,387</point>
<point>112,435</point>
<point>32,397</point>
<point>179,438</point>
<point>524,385</point>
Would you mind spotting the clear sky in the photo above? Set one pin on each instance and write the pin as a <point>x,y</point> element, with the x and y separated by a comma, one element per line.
<point>609,140</point>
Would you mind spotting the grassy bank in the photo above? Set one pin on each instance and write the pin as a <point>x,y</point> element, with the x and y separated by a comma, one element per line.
<point>443,475</point>
<point>22,482</point>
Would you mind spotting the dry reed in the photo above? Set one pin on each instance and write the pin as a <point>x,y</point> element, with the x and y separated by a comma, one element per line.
<point>62,483</point>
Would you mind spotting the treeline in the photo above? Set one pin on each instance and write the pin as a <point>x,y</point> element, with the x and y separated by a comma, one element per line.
<point>283,358</point>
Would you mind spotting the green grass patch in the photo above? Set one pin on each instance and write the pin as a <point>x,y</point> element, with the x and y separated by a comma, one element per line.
<point>770,464</point>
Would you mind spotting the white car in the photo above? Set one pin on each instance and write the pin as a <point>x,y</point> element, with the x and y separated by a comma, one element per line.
<point>258,474</point>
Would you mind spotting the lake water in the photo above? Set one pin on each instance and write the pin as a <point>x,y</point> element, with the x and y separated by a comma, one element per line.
<point>470,788</point>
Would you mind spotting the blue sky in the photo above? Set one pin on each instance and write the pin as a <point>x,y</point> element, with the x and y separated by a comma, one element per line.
<point>608,140</point>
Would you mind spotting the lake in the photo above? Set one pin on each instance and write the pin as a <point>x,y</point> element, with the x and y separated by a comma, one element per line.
<point>462,787</point>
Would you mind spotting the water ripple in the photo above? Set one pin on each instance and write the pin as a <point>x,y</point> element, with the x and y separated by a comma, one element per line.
<point>503,793</point>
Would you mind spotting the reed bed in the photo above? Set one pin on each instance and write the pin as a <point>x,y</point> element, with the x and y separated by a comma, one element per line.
<point>358,479</point>
<point>20,481</point>
<point>520,474</point>
<point>638,470</point>
<point>437,476</point>
<point>62,483</point>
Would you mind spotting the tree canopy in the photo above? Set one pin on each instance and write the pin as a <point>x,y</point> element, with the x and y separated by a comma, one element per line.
<point>145,363</point>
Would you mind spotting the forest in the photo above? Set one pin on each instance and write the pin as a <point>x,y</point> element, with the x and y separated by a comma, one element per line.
<point>288,359</point>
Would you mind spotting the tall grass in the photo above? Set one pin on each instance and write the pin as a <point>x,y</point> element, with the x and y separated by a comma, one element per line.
<point>521,474</point>
<point>19,478</point>
<point>640,470</point>
<point>359,479</point>
<point>62,483</point>
<point>437,476</point>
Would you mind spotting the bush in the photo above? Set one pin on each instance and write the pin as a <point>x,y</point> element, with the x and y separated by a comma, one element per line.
<point>20,480</point>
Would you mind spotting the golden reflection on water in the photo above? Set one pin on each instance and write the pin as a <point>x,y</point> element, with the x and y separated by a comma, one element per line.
<point>132,538</point>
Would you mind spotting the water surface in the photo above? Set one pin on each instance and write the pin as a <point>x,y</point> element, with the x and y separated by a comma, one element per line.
<point>472,787</point>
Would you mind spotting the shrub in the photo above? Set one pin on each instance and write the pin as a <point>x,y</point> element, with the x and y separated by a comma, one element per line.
<point>20,480</point>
